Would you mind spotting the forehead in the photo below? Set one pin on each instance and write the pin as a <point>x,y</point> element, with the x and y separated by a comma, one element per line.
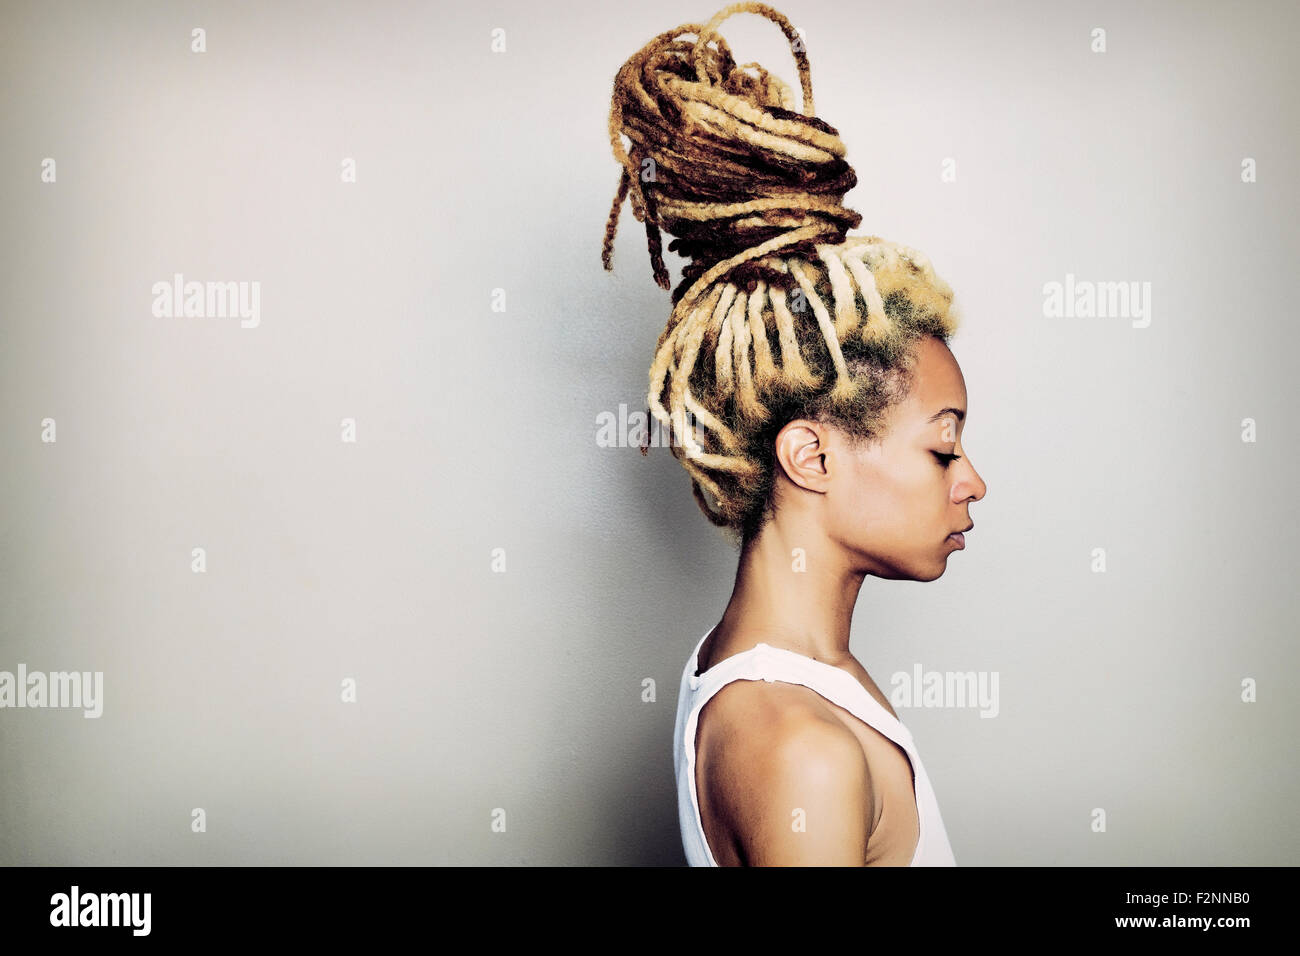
<point>937,383</point>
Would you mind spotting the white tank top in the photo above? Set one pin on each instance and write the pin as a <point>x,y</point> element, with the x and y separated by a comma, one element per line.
<point>839,687</point>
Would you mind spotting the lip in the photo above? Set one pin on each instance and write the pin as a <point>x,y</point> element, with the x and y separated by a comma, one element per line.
<point>959,538</point>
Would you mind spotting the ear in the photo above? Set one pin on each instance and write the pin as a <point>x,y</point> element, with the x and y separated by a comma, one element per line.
<point>801,449</point>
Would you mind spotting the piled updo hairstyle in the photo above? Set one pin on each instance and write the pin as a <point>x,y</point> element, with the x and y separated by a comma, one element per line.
<point>780,314</point>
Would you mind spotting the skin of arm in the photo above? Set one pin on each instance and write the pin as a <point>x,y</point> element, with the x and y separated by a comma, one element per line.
<point>796,792</point>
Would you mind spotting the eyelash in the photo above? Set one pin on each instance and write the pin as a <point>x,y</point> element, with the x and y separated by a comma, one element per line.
<point>944,458</point>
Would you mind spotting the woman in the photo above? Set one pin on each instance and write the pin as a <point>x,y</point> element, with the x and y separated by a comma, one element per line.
<point>806,380</point>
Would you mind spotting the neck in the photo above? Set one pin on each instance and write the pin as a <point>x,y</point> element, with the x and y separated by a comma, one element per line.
<point>799,600</point>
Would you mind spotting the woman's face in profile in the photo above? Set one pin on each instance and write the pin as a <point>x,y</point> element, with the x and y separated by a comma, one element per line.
<point>906,495</point>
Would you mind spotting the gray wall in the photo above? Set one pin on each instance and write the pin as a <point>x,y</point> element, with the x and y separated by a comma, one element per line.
<point>476,430</point>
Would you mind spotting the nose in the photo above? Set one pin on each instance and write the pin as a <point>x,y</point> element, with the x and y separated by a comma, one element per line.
<point>970,487</point>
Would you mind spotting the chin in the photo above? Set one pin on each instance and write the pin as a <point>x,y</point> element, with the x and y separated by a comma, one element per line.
<point>931,572</point>
<point>917,572</point>
<point>935,574</point>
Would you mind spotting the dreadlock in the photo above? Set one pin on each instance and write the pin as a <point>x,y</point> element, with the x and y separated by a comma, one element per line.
<point>753,193</point>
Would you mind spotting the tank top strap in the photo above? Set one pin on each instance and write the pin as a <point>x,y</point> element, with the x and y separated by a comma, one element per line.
<point>764,662</point>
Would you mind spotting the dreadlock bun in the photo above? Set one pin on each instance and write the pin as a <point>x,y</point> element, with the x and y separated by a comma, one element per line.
<point>720,159</point>
<point>752,192</point>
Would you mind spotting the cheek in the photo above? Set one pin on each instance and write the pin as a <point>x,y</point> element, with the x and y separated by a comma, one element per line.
<point>894,505</point>
<point>879,500</point>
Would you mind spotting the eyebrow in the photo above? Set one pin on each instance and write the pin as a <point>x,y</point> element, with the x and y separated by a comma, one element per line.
<point>960,413</point>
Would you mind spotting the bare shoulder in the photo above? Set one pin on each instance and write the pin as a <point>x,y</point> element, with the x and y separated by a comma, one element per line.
<point>789,779</point>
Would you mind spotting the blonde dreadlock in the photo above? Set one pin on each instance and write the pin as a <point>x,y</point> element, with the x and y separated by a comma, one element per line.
<point>753,191</point>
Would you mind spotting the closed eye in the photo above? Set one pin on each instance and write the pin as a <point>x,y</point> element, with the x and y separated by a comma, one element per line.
<point>944,458</point>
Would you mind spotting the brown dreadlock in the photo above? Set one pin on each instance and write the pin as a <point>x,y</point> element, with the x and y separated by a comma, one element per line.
<point>753,192</point>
